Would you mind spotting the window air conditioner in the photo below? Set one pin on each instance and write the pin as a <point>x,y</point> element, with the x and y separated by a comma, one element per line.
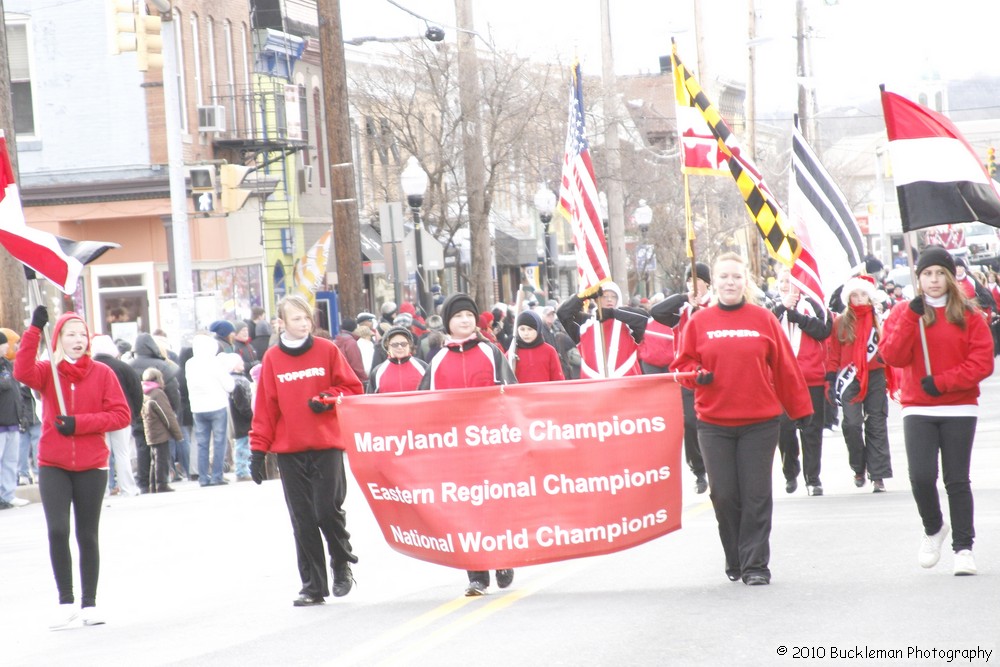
<point>212,118</point>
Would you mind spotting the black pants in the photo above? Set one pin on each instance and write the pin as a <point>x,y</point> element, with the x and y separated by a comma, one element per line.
<point>143,458</point>
<point>871,450</point>
<point>315,487</point>
<point>952,437</point>
<point>738,460</point>
<point>692,451</point>
<point>83,490</point>
<point>812,442</point>
<point>160,473</point>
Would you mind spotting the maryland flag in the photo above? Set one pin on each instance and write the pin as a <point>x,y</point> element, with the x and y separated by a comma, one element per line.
<point>700,152</point>
<point>778,235</point>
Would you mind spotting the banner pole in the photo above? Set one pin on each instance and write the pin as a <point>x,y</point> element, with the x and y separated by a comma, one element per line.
<point>913,278</point>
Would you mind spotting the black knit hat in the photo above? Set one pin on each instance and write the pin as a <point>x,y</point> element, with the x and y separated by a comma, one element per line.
<point>455,304</point>
<point>935,255</point>
<point>3,338</point>
<point>349,324</point>
<point>529,318</point>
<point>702,270</point>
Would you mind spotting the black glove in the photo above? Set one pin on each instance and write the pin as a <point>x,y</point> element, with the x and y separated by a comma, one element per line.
<point>704,377</point>
<point>66,424</point>
<point>803,422</point>
<point>40,317</point>
<point>257,471</point>
<point>792,315</point>
<point>928,384</point>
<point>607,314</point>
<point>917,305</point>
<point>318,406</point>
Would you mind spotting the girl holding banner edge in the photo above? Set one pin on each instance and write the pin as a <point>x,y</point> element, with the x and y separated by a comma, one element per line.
<point>747,376</point>
<point>468,360</point>
<point>940,408</point>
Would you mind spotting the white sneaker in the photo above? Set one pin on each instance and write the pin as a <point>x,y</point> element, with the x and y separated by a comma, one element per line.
<point>90,616</point>
<point>64,617</point>
<point>930,547</point>
<point>965,564</point>
<point>19,502</point>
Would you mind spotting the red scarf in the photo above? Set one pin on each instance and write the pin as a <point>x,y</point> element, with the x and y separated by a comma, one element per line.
<point>74,372</point>
<point>864,320</point>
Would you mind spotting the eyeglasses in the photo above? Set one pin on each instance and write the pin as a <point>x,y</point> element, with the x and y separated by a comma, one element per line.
<point>400,345</point>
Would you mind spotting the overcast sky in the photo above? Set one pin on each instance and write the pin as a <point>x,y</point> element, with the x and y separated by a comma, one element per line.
<point>857,45</point>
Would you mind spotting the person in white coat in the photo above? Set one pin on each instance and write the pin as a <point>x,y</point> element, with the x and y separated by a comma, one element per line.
<point>209,384</point>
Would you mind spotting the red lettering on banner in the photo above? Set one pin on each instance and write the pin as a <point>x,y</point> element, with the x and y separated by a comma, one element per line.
<point>488,478</point>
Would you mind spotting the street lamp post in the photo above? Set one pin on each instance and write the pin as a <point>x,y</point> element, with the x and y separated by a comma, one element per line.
<point>643,217</point>
<point>545,202</point>
<point>414,183</point>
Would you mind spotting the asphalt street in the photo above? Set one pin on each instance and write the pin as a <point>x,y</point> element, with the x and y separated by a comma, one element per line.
<point>207,576</point>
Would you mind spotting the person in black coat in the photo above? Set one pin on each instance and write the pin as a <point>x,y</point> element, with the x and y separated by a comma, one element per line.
<point>105,351</point>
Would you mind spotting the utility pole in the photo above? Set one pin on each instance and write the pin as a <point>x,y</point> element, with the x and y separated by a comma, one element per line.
<point>180,234</point>
<point>469,94</point>
<point>12,312</point>
<point>344,204</point>
<point>753,245</point>
<point>616,200</point>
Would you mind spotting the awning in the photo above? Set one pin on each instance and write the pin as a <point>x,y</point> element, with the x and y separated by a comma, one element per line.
<point>373,261</point>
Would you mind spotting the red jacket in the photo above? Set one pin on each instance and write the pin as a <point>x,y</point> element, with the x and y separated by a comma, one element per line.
<point>93,396</point>
<point>537,364</point>
<point>394,375</point>
<point>756,375</point>
<point>283,422</point>
<point>807,327</point>
<point>470,363</point>
<point>348,344</point>
<point>657,346</point>
<point>960,358</point>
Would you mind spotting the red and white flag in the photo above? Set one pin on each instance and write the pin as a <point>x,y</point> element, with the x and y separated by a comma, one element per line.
<point>939,177</point>
<point>57,259</point>
<point>578,197</point>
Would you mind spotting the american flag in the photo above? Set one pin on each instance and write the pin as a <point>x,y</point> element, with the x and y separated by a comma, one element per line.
<point>578,195</point>
<point>57,259</point>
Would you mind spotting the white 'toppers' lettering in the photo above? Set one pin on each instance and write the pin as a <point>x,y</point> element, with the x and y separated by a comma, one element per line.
<point>733,333</point>
<point>316,372</point>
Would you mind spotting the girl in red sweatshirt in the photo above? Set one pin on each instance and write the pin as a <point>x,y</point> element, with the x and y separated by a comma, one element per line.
<point>858,383</point>
<point>940,407</point>
<point>532,359</point>
<point>72,452</point>
<point>747,376</point>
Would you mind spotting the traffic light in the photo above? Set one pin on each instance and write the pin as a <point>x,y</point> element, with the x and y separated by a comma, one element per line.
<point>233,196</point>
<point>203,189</point>
<point>122,18</point>
<point>149,43</point>
<point>991,162</point>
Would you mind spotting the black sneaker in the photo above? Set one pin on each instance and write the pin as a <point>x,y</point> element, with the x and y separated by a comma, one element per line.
<point>475,589</point>
<point>4,505</point>
<point>878,486</point>
<point>343,580</point>
<point>505,578</point>
<point>791,485</point>
<point>701,484</point>
<point>307,601</point>
<point>756,580</point>
<point>814,489</point>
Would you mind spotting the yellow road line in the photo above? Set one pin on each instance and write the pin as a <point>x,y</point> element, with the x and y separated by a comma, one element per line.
<point>365,653</point>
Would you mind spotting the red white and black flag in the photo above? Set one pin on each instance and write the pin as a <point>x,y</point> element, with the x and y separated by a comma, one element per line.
<point>939,177</point>
<point>57,259</point>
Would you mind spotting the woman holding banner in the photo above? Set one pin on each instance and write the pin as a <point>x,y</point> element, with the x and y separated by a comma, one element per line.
<point>468,360</point>
<point>746,377</point>
<point>940,405</point>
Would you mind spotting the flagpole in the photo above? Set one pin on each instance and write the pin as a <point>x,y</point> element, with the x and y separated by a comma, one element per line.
<point>689,226</point>
<point>913,278</point>
<point>35,300</point>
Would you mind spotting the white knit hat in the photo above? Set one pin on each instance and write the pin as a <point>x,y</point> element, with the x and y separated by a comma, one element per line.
<point>864,284</point>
